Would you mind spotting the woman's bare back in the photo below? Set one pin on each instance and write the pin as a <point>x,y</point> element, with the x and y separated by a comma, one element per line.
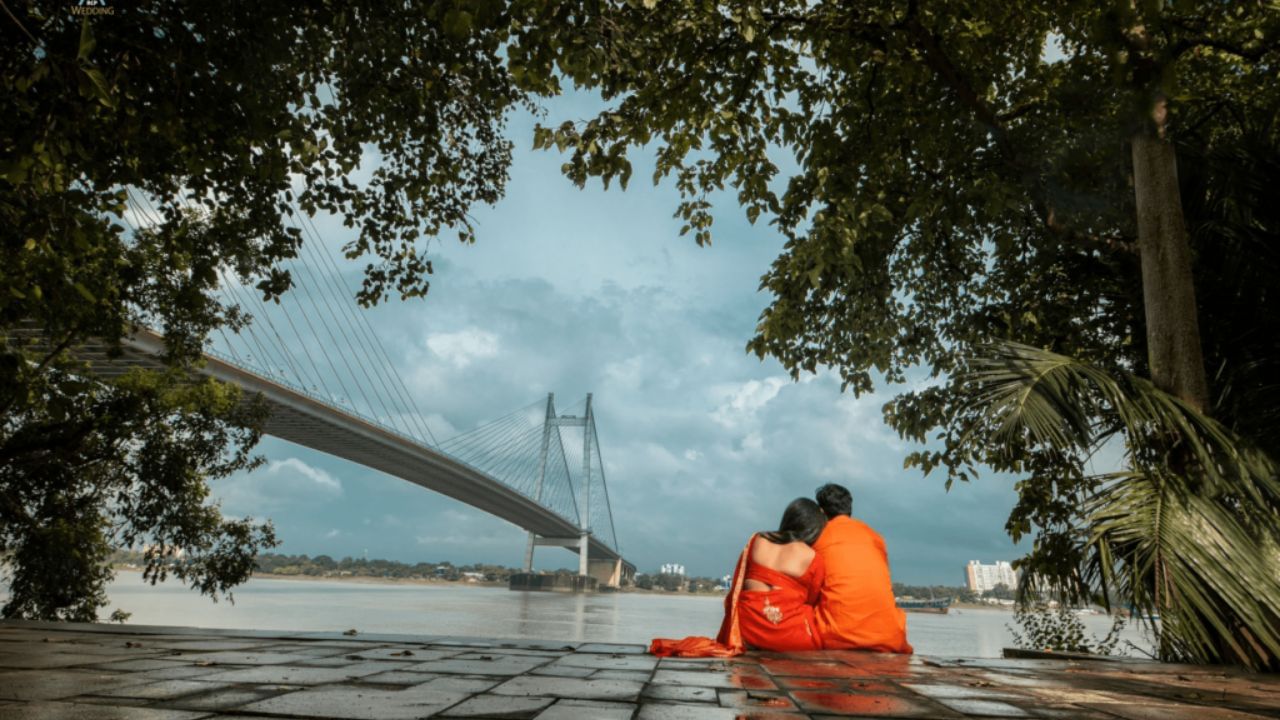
<point>791,558</point>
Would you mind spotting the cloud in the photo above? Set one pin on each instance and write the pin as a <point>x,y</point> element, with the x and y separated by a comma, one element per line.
<point>740,403</point>
<point>278,469</point>
<point>464,347</point>
<point>279,484</point>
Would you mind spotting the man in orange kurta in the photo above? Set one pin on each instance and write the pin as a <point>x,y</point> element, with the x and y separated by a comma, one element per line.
<point>857,610</point>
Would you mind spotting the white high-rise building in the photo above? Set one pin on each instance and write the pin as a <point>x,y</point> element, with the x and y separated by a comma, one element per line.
<point>673,569</point>
<point>981,578</point>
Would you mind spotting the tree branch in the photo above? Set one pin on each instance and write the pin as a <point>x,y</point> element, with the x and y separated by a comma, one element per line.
<point>39,368</point>
<point>1017,112</point>
<point>1254,55</point>
<point>18,22</point>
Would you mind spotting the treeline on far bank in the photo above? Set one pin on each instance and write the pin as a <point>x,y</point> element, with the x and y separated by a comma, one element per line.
<point>670,582</point>
<point>956,593</point>
<point>326,566</point>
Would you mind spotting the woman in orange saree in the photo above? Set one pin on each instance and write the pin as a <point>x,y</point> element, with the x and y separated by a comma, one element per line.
<point>775,587</point>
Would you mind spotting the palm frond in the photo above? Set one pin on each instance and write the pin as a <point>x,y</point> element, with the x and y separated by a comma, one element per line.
<point>1060,401</point>
<point>1188,560</point>
<point>1189,531</point>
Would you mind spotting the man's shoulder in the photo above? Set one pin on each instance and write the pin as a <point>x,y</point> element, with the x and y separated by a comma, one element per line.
<point>864,527</point>
<point>844,528</point>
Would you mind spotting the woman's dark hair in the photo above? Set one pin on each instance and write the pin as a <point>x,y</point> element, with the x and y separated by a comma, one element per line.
<point>802,520</point>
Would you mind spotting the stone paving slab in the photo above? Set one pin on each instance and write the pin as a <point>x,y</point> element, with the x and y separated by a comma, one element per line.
<point>77,711</point>
<point>587,710</point>
<point>55,671</point>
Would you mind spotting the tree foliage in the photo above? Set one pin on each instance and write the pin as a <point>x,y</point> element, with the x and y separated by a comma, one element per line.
<point>230,119</point>
<point>1061,630</point>
<point>949,173</point>
<point>944,173</point>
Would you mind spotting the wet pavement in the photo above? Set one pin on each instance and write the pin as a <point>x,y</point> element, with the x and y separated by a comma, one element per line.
<point>53,671</point>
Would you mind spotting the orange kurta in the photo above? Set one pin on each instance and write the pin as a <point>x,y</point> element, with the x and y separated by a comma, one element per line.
<point>857,610</point>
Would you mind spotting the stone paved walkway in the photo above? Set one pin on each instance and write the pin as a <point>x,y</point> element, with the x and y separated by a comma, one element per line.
<point>151,673</point>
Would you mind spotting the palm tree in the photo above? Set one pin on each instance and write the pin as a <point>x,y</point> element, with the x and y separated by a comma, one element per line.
<point>1188,530</point>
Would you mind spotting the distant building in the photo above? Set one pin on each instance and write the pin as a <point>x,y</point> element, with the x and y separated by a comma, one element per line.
<point>172,552</point>
<point>981,578</point>
<point>673,569</point>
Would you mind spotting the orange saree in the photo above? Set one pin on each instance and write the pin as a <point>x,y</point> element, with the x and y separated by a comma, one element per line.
<point>778,619</point>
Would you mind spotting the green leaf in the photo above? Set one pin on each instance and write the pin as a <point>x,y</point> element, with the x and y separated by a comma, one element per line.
<point>100,86</point>
<point>87,41</point>
<point>457,23</point>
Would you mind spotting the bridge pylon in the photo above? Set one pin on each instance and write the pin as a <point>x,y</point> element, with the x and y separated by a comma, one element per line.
<point>590,449</point>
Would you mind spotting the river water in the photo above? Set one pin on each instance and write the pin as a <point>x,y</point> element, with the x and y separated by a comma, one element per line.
<point>460,610</point>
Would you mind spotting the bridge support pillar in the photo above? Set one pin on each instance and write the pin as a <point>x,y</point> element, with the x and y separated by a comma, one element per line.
<point>584,544</point>
<point>528,553</point>
<point>608,573</point>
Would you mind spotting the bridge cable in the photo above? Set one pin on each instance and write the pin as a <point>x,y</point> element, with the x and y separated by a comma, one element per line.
<point>151,215</point>
<point>501,437</point>
<point>477,440</point>
<point>233,290</point>
<point>281,348</point>
<point>573,495</point>
<point>521,454</point>
<point>325,291</point>
<point>343,356</point>
<point>596,455</point>
<point>134,230</point>
<point>316,381</point>
<point>483,429</point>
<point>608,506</point>
<point>503,468</point>
<point>395,409</point>
<point>558,478</point>
<point>401,390</point>
<point>502,448</point>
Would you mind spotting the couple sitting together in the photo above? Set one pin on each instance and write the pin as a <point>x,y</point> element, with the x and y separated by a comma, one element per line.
<point>821,582</point>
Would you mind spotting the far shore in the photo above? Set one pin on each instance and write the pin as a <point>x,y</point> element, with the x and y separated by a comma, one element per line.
<point>462,582</point>
<point>466,582</point>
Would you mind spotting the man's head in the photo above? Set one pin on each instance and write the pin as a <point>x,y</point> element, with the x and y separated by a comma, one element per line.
<point>835,500</point>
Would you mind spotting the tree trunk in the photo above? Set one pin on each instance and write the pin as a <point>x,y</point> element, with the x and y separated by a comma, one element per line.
<point>1168,291</point>
<point>1174,353</point>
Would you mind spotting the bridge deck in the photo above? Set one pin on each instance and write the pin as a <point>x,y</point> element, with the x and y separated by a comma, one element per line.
<point>313,423</point>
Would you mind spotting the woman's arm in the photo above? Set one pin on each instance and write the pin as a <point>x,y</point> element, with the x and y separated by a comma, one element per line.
<point>817,574</point>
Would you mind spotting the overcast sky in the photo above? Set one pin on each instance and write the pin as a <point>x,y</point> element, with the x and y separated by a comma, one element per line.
<point>574,291</point>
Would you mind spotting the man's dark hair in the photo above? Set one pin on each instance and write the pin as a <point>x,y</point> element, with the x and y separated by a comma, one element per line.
<point>802,520</point>
<point>835,500</point>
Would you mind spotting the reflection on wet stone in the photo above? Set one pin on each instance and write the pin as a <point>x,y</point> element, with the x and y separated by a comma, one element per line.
<point>315,675</point>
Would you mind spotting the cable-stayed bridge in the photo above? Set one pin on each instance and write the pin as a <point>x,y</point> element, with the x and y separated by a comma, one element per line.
<point>330,385</point>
